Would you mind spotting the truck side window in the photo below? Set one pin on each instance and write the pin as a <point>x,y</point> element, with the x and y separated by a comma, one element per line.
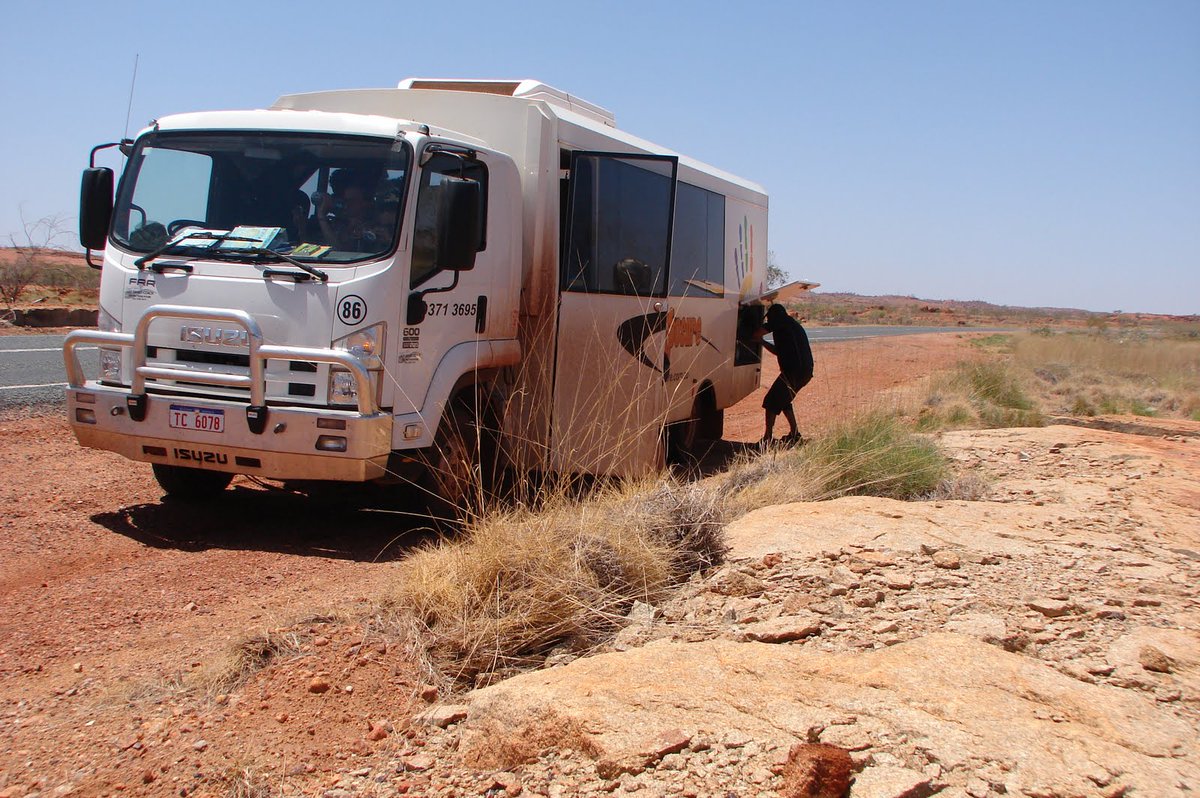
<point>424,249</point>
<point>698,243</point>
<point>620,226</point>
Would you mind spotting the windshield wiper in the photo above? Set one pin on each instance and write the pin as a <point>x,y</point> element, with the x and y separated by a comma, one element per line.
<point>176,246</point>
<point>212,248</point>
<point>263,252</point>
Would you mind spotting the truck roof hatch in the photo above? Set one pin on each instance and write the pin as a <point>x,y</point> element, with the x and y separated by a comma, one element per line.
<point>527,89</point>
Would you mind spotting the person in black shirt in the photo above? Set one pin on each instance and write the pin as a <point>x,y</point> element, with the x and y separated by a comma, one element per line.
<point>795,368</point>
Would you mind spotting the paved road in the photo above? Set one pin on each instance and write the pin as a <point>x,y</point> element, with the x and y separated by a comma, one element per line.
<point>31,366</point>
<point>31,370</point>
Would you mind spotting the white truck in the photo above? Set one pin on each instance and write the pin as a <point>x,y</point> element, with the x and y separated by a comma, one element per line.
<point>416,283</point>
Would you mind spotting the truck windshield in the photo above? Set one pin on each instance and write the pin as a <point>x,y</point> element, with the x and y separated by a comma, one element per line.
<point>319,197</point>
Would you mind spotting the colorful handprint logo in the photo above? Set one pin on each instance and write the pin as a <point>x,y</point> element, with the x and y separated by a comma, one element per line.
<point>743,258</point>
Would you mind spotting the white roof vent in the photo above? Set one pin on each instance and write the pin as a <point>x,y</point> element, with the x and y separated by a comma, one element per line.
<point>526,89</point>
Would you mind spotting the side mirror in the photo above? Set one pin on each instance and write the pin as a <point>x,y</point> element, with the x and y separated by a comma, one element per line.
<point>458,223</point>
<point>95,206</point>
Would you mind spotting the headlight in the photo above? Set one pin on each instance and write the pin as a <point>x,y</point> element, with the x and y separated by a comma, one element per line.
<point>366,345</point>
<point>110,359</point>
<point>341,388</point>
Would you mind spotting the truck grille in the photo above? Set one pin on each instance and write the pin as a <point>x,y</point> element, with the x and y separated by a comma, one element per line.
<point>288,381</point>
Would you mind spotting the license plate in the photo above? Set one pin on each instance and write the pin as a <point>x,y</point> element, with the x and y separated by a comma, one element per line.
<point>204,419</point>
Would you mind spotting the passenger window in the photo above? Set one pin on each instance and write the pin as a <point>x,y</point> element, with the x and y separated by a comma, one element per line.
<point>424,249</point>
<point>698,243</point>
<point>620,225</point>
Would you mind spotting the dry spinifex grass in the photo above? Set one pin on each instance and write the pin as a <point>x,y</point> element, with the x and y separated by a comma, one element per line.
<point>523,582</point>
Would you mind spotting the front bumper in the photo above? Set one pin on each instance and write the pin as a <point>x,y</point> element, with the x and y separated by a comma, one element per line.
<point>276,441</point>
<point>286,449</point>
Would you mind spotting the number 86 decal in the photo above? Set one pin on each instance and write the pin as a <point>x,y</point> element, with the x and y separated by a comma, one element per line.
<point>352,309</point>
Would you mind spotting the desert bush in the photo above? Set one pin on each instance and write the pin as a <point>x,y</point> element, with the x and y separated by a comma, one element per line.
<point>994,383</point>
<point>520,583</point>
<point>874,455</point>
<point>987,393</point>
<point>245,658</point>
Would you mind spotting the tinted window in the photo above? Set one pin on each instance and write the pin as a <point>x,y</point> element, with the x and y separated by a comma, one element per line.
<point>620,225</point>
<point>698,243</point>
<point>441,165</point>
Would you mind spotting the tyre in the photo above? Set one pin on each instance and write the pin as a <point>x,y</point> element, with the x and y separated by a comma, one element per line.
<point>459,464</point>
<point>190,484</point>
<point>688,441</point>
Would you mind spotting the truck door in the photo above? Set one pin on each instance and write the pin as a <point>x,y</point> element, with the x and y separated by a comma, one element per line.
<point>609,383</point>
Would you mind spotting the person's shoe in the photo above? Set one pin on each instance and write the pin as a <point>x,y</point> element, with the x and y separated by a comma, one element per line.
<point>793,439</point>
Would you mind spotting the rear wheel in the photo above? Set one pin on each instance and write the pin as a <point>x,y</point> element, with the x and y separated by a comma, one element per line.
<point>688,441</point>
<point>190,484</point>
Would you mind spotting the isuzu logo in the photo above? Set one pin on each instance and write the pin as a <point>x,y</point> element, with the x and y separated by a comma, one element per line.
<point>216,336</point>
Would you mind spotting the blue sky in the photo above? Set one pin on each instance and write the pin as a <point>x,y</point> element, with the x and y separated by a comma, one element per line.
<point>1029,153</point>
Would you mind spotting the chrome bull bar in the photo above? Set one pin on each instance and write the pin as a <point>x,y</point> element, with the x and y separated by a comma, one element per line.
<point>260,353</point>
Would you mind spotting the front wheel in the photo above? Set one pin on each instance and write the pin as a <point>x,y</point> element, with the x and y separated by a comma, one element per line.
<point>459,466</point>
<point>190,484</point>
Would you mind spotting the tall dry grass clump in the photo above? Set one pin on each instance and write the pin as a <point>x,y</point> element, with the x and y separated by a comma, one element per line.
<point>521,583</point>
<point>982,393</point>
<point>873,455</point>
<point>1114,372</point>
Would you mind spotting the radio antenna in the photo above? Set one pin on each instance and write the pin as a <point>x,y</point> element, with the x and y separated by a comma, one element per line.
<point>132,83</point>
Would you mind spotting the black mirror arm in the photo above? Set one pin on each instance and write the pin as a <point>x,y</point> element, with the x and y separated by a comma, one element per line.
<point>124,144</point>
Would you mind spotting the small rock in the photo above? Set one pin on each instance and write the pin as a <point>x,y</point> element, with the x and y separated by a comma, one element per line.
<point>867,598</point>
<point>899,581</point>
<point>418,762</point>
<point>148,776</point>
<point>946,559</point>
<point>783,629</point>
<point>671,741</point>
<point>190,606</point>
<point>77,667</point>
<point>200,745</point>
<point>282,717</point>
<point>320,640</point>
<point>1152,659</point>
<point>318,685</point>
<point>641,614</point>
<point>378,732</point>
<point>510,783</point>
<point>444,715</point>
<point>429,694</point>
<point>736,583</point>
<point>1051,608</point>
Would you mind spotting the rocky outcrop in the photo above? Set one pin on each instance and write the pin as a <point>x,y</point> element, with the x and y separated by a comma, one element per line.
<point>1045,642</point>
